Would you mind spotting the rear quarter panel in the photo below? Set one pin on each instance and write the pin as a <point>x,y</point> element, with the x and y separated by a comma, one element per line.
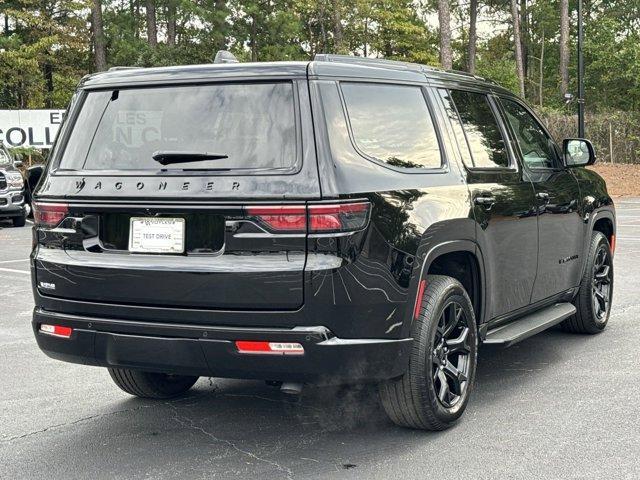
<point>365,285</point>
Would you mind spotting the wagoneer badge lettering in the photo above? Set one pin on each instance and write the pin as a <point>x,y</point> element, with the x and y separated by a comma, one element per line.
<point>208,186</point>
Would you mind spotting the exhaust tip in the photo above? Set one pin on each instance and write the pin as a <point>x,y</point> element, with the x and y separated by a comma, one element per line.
<point>291,388</point>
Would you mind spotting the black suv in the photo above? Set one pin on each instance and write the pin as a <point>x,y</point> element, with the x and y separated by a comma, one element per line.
<point>12,189</point>
<point>338,220</point>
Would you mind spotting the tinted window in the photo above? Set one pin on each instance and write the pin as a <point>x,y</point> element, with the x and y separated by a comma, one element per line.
<point>253,124</point>
<point>488,148</point>
<point>454,120</point>
<point>536,147</point>
<point>392,123</point>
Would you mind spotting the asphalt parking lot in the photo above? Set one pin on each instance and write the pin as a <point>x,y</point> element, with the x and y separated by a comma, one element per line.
<point>555,406</point>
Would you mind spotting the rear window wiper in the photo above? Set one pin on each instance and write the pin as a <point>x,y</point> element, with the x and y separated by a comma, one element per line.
<point>168,157</point>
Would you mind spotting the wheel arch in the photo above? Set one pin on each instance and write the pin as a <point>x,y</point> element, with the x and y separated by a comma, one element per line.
<point>603,221</point>
<point>459,259</point>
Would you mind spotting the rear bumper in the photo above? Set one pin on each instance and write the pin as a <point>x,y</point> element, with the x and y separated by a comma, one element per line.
<point>210,351</point>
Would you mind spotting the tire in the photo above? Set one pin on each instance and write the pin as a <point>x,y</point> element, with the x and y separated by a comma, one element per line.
<point>151,385</point>
<point>593,310</point>
<point>19,221</point>
<point>412,399</point>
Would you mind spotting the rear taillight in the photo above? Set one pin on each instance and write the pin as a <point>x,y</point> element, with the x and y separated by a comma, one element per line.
<point>281,218</point>
<point>321,218</point>
<point>341,217</point>
<point>49,214</point>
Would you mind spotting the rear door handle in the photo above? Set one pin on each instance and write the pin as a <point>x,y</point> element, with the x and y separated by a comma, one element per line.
<point>485,201</point>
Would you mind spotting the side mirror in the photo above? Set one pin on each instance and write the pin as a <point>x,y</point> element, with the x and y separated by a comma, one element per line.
<point>18,164</point>
<point>578,152</point>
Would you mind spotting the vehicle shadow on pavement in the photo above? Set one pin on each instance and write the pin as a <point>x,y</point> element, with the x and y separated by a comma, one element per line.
<point>248,429</point>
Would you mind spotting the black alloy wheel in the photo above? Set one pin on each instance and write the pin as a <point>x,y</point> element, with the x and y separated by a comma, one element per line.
<point>602,270</point>
<point>434,391</point>
<point>451,355</point>
<point>593,300</point>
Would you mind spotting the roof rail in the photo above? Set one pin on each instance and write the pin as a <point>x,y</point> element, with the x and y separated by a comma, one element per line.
<point>471,75</point>
<point>118,68</point>
<point>330,57</point>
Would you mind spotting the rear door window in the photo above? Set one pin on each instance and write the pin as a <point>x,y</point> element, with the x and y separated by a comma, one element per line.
<point>392,124</point>
<point>252,125</point>
<point>481,129</point>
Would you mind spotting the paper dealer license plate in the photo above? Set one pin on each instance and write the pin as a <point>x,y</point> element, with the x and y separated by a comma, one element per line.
<point>156,235</point>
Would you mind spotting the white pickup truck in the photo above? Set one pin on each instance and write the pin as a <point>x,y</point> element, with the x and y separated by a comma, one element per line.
<point>13,201</point>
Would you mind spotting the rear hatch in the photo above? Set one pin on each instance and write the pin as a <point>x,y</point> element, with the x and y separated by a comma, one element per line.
<point>184,196</point>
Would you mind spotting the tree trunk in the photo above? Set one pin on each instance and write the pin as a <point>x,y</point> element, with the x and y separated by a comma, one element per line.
<point>524,38</point>
<point>541,67</point>
<point>135,14</point>
<point>564,46</point>
<point>253,39</point>
<point>337,27</point>
<point>515,17</point>
<point>171,23</point>
<point>47,71</point>
<point>444,20</point>
<point>473,36</point>
<point>152,31</point>
<point>220,24</point>
<point>323,31</point>
<point>366,36</point>
<point>97,31</point>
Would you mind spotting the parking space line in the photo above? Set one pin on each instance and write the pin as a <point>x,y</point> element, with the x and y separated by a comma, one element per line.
<point>11,270</point>
<point>15,261</point>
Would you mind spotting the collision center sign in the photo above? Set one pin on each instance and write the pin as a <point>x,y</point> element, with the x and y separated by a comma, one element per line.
<point>29,128</point>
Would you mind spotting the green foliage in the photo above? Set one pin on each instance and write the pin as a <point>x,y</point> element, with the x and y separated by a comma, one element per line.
<point>613,60</point>
<point>495,61</point>
<point>29,156</point>
<point>46,39</point>
<point>612,133</point>
<point>48,45</point>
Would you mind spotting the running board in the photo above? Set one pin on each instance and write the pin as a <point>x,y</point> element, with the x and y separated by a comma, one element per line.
<point>525,327</point>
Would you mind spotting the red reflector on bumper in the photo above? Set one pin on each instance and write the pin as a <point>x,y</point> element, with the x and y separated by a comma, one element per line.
<point>56,330</point>
<point>270,348</point>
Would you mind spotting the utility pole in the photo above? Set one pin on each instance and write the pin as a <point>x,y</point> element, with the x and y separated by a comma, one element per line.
<point>580,74</point>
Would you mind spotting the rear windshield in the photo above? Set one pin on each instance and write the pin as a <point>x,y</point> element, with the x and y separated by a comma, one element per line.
<point>252,125</point>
